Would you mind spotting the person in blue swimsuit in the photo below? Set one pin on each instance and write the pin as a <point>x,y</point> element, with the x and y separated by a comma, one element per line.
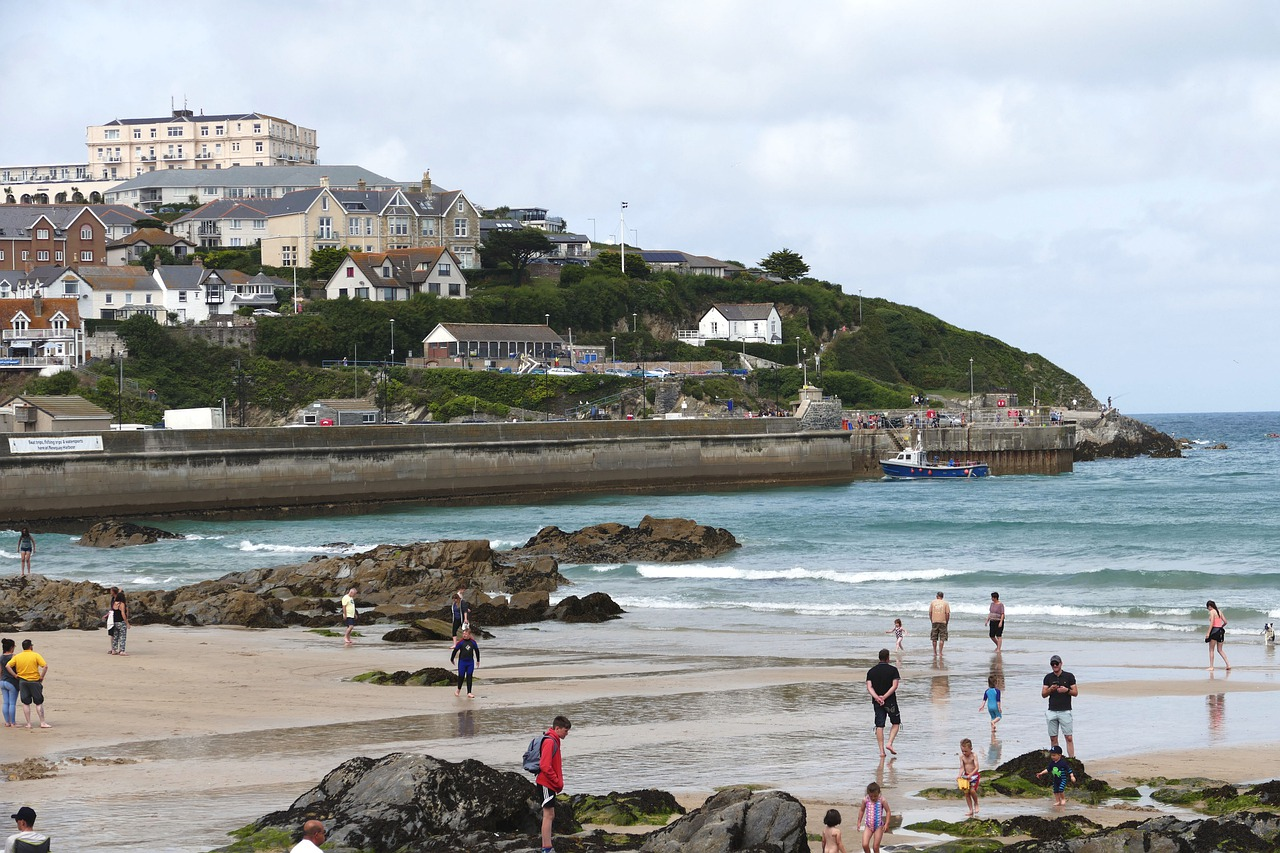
<point>26,547</point>
<point>991,701</point>
<point>467,653</point>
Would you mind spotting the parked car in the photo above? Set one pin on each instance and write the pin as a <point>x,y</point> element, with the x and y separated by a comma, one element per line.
<point>562,371</point>
<point>657,373</point>
<point>265,312</point>
<point>616,371</point>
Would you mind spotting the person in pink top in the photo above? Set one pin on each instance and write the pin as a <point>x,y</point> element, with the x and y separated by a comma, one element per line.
<point>1217,633</point>
<point>550,778</point>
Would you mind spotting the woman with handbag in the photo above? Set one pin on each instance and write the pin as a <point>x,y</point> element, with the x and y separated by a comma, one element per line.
<point>120,611</point>
<point>1217,633</point>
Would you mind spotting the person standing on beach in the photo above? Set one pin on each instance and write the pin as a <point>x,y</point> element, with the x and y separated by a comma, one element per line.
<point>467,653</point>
<point>349,615</point>
<point>9,684</point>
<point>831,840</point>
<point>461,612</point>
<point>312,838</point>
<point>1058,771</point>
<point>30,669</point>
<point>873,819</point>
<point>939,619</point>
<point>1059,687</point>
<point>898,633</point>
<point>970,773</point>
<point>550,778</point>
<point>120,623</point>
<point>1216,634</point>
<point>882,684</point>
<point>991,701</point>
<point>26,548</point>
<point>995,621</point>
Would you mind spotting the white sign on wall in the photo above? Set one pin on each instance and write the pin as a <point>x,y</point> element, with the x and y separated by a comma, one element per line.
<point>55,444</point>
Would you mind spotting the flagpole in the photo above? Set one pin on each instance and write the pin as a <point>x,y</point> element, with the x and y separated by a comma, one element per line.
<point>622,219</point>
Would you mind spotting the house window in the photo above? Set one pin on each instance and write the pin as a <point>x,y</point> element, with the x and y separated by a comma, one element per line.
<point>257,146</point>
<point>434,287</point>
<point>351,272</point>
<point>182,296</point>
<point>388,294</point>
<point>326,227</point>
<point>57,256</point>
<point>175,130</point>
<point>128,299</point>
<point>237,241</point>
<point>257,127</point>
<point>42,233</point>
<point>86,256</point>
<point>399,225</point>
<point>235,225</point>
<point>715,328</point>
<point>86,232</point>
<point>459,227</point>
<point>107,298</point>
<point>461,208</point>
<point>59,324</point>
<point>137,133</point>
<point>386,271</point>
<point>428,228</point>
<point>259,224</point>
<point>342,293</point>
<point>368,227</point>
<point>235,146</point>
<point>324,202</point>
<point>455,289</point>
<point>113,134</point>
<point>310,420</point>
<point>466,256</point>
<point>148,298</point>
<point>353,226</point>
<point>153,133</point>
<point>204,130</point>
<point>368,418</point>
<point>287,254</point>
<point>219,130</point>
<point>20,324</point>
<point>362,293</point>
<point>445,269</point>
<point>26,255</point>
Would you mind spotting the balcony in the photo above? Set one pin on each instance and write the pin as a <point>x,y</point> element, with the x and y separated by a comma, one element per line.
<point>148,158</point>
<point>208,231</point>
<point>15,363</point>
<point>113,159</point>
<point>205,155</point>
<point>175,157</point>
<point>214,297</point>
<point>37,334</point>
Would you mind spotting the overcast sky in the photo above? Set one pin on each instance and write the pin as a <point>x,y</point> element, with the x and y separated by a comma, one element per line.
<point>1092,181</point>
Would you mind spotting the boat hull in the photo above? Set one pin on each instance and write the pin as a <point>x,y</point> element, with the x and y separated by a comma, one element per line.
<point>901,471</point>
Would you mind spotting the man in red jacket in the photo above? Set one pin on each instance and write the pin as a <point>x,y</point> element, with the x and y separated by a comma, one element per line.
<point>550,778</point>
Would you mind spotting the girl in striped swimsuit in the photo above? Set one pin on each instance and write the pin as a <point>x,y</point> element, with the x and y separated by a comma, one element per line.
<point>873,819</point>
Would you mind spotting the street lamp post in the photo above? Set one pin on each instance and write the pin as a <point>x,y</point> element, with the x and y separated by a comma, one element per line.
<point>859,307</point>
<point>613,347</point>
<point>971,390</point>
<point>633,323</point>
<point>546,319</point>
<point>797,351</point>
<point>805,365</point>
<point>593,229</point>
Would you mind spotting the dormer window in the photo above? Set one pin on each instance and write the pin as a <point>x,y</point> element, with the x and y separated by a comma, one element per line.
<point>386,271</point>
<point>20,323</point>
<point>58,324</point>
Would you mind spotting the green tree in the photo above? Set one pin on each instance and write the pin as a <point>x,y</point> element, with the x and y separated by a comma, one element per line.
<point>159,255</point>
<point>325,262</point>
<point>515,247</point>
<point>149,222</point>
<point>611,263</point>
<point>785,264</point>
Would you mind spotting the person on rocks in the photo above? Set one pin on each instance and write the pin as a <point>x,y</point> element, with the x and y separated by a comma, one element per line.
<point>1059,687</point>
<point>461,612</point>
<point>26,548</point>
<point>120,623</point>
<point>26,839</point>
<point>939,619</point>
<point>995,621</point>
<point>30,669</point>
<point>1058,771</point>
<point>312,837</point>
<point>882,684</point>
<point>467,654</point>
<point>550,778</point>
<point>349,615</point>
<point>9,684</point>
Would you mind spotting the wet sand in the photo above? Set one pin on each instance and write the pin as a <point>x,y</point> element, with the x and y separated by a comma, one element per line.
<point>216,726</point>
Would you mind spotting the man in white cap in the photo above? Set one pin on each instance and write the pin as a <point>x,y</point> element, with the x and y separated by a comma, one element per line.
<point>26,839</point>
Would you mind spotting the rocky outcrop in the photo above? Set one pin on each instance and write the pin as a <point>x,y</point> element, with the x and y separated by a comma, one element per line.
<point>657,540</point>
<point>419,803</point>
<point>118,534</point>
<point>736,819</point>
<point>1114,436</point>
<point>1168,834</point>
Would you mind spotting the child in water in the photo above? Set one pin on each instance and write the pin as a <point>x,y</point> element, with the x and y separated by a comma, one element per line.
<point>1058,771</point>
<point>873,818</point>
<point>831,840</point>
<point>898,632</point>
<point>969,770</point>
<point>991,700</point>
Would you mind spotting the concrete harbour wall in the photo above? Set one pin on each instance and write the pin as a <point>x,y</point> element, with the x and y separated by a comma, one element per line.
<point>157,472</point>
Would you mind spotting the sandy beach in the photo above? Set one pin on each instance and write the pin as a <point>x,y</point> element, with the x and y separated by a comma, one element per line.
<point>199,731</point>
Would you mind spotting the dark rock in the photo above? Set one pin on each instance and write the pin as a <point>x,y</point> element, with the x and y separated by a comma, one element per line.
<point>1167,834</point>
<point>1267,793</point>
<point>736,819</point>
<point>1067,826</point>
<point>659,540</point>
<point>432,676</point>
<point>118,534</point>
<point>1114,436</point>
<point>634,807</point>
<point>596,607</point>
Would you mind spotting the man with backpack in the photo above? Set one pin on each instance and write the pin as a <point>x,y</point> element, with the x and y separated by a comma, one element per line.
<point>550,778</point>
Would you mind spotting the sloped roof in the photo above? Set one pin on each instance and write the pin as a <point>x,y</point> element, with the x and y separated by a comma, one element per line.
<point>49,308</point>
<point>230,208</point>
<point>197,119</point>
<point>408,266</point>
<point>69,407</point>
<point>662,257</point>
<point>256,176</point>
<point>746,311</point>
<point>150,236</point>
<point>501,332</point>
<point>350,405</point>
<point>118,278</point>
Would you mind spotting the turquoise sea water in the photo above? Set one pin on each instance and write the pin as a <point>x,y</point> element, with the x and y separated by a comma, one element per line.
<point>1127,548</point>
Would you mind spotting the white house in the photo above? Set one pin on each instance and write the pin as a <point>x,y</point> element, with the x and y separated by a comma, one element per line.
<point>397,274</point>
<point>448,344</point>
<point>753,322</point>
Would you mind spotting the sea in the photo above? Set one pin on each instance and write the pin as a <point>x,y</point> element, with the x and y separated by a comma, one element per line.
<point>759,656</point>
<point>1127,548</point>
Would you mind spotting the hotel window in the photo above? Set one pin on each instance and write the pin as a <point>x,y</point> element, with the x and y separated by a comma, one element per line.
<point>459,227</point>
<point>137,133</point>
<point>153,133</point>
<point>204,130</point>
<point>218,130</point>
<point>86,256</point>
<point>326,227</point>
<point>353,226</point>
<point>235,146</point>
<point>175,131</point>
<point>86,232</point>
<point>20,324</point>
<point>257,146</point>
<point>257,127</point>
<point>113,134</point>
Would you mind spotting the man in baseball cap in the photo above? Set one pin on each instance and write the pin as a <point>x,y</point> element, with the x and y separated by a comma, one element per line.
<point>1059,687</point>
<point>26,839</point>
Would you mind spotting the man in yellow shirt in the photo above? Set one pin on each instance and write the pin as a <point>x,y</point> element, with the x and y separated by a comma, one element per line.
<point>349,614</point>
<point>30,670</point>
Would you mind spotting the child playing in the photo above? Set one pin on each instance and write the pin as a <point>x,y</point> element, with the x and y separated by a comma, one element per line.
<point>1059,771</point>
<point>991,698</point>
<point>831,840</point>
<point>898,632</point>
<point>467,653</point>
<point>969,770</point>
<point>873,818</point>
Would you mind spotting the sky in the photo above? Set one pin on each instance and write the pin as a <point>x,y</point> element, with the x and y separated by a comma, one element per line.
<point>1090,180</point>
